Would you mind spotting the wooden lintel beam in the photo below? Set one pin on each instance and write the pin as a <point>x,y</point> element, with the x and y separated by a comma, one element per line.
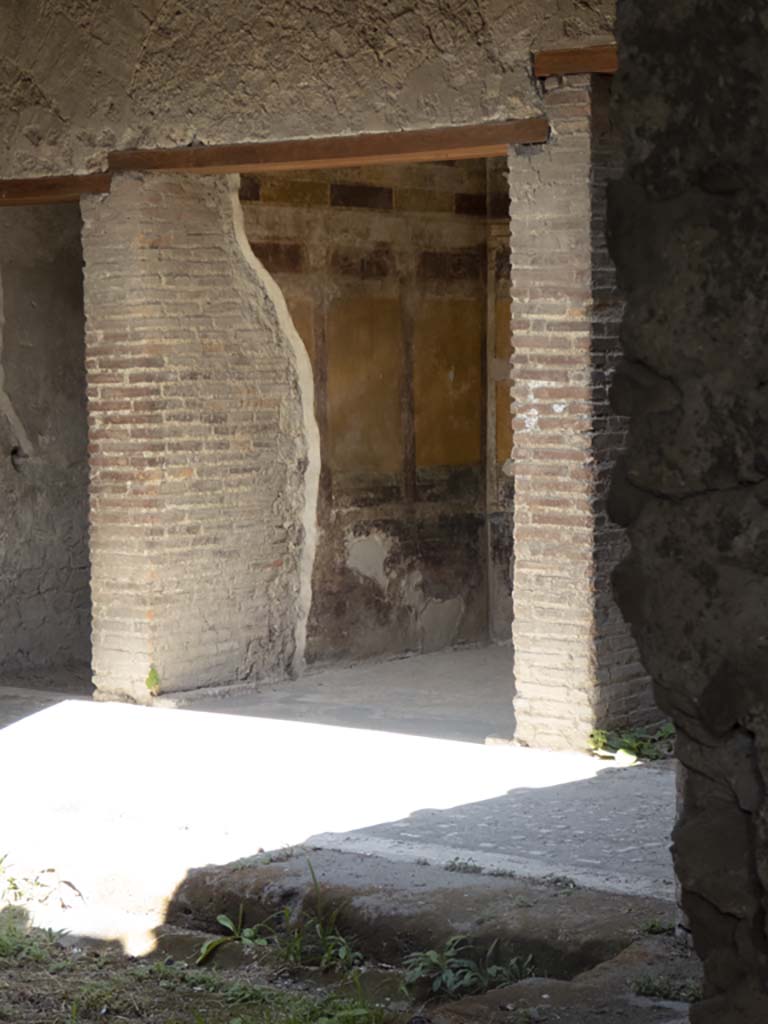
<point>585,60</point>
<point>64,189</point>
<point>455,143</point>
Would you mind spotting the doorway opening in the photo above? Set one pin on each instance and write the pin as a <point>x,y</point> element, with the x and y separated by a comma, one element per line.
<point>397,279</point>
<point>44,563</point>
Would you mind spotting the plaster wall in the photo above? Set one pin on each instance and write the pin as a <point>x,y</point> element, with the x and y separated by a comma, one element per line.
<point>386,276</point>
<point>44,566</point>
<point>79,78</point>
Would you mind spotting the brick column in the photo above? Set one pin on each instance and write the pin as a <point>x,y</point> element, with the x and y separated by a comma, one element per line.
<point>204,450</point>
<point>576,664</point>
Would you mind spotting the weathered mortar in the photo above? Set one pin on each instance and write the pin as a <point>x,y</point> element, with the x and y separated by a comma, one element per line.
<point>689,237</point>
<point>44,570</point>
<point>204,452</point>
<point>78,79</point>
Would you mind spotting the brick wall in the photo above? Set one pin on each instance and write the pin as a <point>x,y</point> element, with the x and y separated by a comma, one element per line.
<point>576,665</point>
<point>204,455</point>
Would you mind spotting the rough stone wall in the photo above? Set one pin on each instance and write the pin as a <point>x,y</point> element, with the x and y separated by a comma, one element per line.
<point>81,77</point>
<point>576,665</point>
<point>689,236</point>
<point>204,454</point>
<point>44,596</point>
<point>384,272</point>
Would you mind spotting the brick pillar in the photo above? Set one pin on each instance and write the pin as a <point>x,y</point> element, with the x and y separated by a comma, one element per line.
<point>576,664</point>
<point>204,450</point>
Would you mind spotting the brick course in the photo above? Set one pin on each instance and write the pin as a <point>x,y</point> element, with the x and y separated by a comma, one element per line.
<point>576,664</point>
<point>203,456</point>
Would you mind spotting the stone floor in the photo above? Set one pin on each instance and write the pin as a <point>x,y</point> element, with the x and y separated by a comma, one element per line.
<point>385,760</point>
<point>463,694</point>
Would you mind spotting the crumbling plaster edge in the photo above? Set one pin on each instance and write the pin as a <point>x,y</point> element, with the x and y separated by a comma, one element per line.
<point>306,386</point>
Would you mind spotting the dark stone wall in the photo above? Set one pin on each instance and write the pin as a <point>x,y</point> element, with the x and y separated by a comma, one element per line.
<point>44,568</point>
<point>690,237</point>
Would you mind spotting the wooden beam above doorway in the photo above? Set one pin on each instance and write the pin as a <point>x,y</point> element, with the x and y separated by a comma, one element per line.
<point>63,189</point>
<point>466,142</point>
<point>434,144</point>
<point>584,60</point>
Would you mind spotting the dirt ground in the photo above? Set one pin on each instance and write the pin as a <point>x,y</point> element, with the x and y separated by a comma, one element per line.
<point>46,981</point>
<point>52,979</point>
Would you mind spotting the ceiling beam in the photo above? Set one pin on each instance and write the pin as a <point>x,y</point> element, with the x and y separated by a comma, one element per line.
<point>584,60</point>
<point>455,143</point>
<point>65,189</point>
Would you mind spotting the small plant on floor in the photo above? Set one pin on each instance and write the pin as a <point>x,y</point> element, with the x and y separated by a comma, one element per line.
<point>455,971</point>
<point>17,889</point>
<point>675,990</point>
<point>314,939</point>
<point>501,873</point>
<point>19,942</point>
<point>250,937</point>
<point>152,682</point>
<point>634,744</point>
<point>300,939</point>
<point>564,882</point>
<point>464,867</point>
<point>656,927</point>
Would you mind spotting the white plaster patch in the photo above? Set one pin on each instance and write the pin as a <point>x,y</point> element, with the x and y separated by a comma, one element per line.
<point>306,387</point>
<point>367,556</point>
<point>531,419</point>
<point>560,406</point>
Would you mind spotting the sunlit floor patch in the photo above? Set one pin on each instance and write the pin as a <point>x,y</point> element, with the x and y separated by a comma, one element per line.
<point>123,800</point>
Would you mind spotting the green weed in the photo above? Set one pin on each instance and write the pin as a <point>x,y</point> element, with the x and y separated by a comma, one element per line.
<point>456,970</point>
<point>669,989</point>
<point>250,937</point>
<point>501,873</point>
<point>23,889</point>
<point>634,743</point>
<point>299,939</point>
<point>290,1008</point>
<point>21,943</point>
<point>464,867</point>
<point>656,927</point>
